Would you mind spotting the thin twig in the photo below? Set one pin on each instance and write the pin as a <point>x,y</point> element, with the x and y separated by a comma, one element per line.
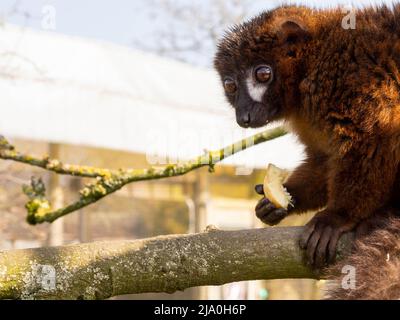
<point>109,181</point>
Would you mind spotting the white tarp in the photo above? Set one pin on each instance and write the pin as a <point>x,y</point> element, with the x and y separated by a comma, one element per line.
<point>70,90</point>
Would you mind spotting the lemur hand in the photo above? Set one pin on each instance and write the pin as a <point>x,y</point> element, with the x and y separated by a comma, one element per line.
<point>266,210</point>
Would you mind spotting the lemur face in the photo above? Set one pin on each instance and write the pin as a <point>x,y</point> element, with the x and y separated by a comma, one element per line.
<point>247,91</point>
<point>258,64</point>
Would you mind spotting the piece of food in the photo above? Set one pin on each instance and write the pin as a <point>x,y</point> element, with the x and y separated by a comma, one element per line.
<point>273,187</point>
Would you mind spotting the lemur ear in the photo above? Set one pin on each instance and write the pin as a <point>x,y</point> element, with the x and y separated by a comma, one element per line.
<point>292,32</point>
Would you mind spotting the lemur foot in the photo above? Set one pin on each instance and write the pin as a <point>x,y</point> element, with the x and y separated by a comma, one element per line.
<point>321,236</point>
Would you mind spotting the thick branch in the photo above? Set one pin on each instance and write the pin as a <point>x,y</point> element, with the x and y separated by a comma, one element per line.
<point>109,181</point>
<point>100,270</point>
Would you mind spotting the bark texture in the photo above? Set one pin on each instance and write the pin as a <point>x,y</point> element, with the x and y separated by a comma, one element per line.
<point>100,270</point>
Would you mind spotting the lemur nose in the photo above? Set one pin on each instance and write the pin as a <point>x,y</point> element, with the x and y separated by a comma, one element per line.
<point>246,119</point>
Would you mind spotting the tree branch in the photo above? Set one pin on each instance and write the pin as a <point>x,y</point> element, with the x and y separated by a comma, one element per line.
<point>101,270</point>
<point>8,152</point>
<point>108,181</point>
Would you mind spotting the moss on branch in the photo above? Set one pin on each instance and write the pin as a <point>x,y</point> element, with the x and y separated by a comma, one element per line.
<point>100,270</point>
<point>108,181</point>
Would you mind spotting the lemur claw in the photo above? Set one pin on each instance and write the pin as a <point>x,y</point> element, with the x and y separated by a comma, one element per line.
<point>321,236</point>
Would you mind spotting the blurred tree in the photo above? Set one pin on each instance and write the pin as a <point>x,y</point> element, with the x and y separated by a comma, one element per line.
<point>191,29</point>
<point>15,10</point>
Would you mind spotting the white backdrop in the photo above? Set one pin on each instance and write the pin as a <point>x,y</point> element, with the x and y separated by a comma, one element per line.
<point>71,90</point>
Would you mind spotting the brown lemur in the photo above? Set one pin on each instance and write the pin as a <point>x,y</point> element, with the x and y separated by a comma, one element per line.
<point>338,90</point>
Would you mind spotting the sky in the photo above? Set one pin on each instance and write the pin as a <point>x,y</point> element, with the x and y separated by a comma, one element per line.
<point>124,22</point>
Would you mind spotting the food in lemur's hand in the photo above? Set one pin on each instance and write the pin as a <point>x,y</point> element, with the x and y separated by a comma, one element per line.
<point>338,90</point>
<point>274,189</point>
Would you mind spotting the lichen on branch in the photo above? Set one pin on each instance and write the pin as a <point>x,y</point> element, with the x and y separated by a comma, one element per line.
<point>99,270</point>
<point>108,181</point>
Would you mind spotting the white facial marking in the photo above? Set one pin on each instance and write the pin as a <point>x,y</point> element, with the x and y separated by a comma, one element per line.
<point>256,91</point>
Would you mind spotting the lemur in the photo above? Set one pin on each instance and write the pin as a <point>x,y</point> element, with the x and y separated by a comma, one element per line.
<point>338,90</point>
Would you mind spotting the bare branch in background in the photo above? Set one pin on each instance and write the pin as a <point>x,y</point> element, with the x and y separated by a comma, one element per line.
<point>191,31</point>
<point>16,10</point>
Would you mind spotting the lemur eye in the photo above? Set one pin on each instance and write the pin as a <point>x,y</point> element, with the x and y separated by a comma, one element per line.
<point>263,73</point>
<point>230,85</point>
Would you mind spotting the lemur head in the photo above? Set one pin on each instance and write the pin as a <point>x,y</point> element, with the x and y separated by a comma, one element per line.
<point>260,64</point>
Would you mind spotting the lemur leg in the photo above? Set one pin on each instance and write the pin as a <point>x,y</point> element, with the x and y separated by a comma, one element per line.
<point>395,197</point>
<point>360,182</point>
<point>379,219</point>
<point>376,221</point>
<point>308,187</point>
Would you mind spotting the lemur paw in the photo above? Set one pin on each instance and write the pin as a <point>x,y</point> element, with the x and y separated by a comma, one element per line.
<point>266,210</point>
<point>321,236</point>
